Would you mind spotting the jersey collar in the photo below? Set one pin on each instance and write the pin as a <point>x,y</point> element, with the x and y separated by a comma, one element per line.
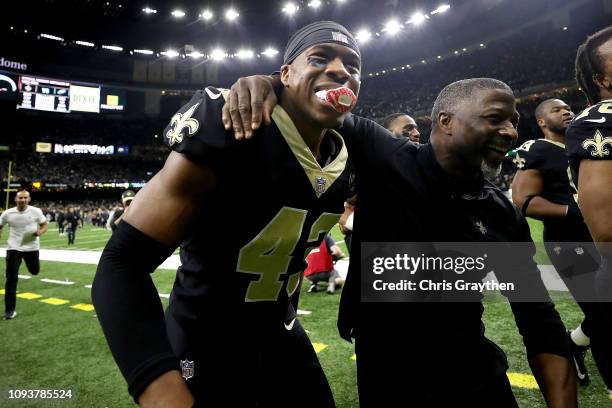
<point>321,178</point>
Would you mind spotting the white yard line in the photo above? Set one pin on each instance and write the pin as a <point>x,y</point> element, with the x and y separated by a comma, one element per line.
<point>87,257</point>
<point>25,277</point>
<point>59,282</point>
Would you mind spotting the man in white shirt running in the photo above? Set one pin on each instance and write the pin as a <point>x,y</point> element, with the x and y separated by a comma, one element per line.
<point>26,223</point>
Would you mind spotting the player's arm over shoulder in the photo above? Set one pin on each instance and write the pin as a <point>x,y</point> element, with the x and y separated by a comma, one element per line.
<point>169,202</point>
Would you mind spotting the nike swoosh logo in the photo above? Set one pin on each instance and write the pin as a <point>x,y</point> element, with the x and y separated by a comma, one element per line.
<point>581,376</point>
<point>600,120</point>
<point>211,94</point>
<point>289,326</point>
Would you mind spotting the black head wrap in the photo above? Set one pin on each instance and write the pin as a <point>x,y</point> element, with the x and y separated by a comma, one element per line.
<point>317,33</point>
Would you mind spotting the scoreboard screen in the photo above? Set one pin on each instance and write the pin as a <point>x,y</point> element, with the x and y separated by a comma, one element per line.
<point>43,94</point>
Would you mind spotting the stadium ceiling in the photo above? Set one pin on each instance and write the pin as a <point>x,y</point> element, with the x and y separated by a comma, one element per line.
<point>398,29</point>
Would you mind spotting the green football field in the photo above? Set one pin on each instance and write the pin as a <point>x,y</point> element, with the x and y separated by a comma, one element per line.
<point>56,343</point>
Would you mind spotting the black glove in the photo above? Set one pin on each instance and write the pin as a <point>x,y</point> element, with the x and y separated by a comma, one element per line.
<point>573,212</point>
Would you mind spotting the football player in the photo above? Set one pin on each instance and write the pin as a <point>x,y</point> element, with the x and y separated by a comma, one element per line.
<point>542,189</point>
<point>402,125</point>
<point>437,192</point>
<point>245,215</point>
<point>589,148</point>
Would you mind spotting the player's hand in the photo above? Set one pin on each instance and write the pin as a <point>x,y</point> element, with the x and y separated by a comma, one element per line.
<point>167,391</point>
<point>343,218</point>
<point>251,100</point>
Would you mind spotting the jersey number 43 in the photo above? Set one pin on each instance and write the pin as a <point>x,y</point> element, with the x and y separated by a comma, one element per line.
<point>269,254</point>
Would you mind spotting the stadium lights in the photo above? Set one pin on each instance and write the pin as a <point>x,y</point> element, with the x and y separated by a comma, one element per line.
<point>112,47</point>
<point>417,18</point>
<point>456,52</point>
<point>464,49</point>
<point>51,37</point>
<point>178,13</point>
<point>170,53</point>
<point>149,10</point>
<point>290,8</point>
<point>145,52</point>
<point>441,9</point>
<point>85,43</point>
<point>392,27</point>
<point>314,4</point>
<point>195,55</point>
<point>245,54</point>
<point>481,45</point>
<point>439,57</point>
<point>231,14</point>
<point>206,15</point>
<point>363,35</point>
<point>217,54</point>
<point>270,52</point>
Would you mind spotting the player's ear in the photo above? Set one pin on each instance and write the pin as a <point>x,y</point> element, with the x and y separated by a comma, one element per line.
<point>602,81</point>
<point>541,123</point>
<point>284,74</point>
<point>445,121</point>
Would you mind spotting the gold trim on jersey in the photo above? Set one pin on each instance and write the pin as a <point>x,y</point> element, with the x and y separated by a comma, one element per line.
<point>561,145</point>
<point>321,179</point>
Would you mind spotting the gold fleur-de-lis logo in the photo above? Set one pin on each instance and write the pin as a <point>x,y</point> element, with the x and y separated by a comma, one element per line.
<point>182,121</point>
<point>481,227</point>
<point>598,143</point>
<point>519,161</point>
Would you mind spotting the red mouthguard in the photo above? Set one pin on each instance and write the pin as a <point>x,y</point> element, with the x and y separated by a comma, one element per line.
<point>341,99</point>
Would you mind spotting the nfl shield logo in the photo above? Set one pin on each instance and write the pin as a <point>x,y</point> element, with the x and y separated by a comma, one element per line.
<point>321,182</point>
<point>187,369</point>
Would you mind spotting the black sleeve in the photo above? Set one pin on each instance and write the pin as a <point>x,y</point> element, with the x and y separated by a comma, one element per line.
<point>529,156</point>
<point>537,319</point>
<point>129,309</point>
<point>197,131</point>
<point>368,143</point>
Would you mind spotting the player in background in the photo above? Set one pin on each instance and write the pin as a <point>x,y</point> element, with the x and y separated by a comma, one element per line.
<point>402,125</point>
<point>126,200</point>
<point>26,224</point>
<point>589,148</point>
<point>245,215</point>
<point>542,190</point>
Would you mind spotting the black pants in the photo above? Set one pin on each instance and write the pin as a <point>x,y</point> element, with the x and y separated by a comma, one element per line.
<point>71,235</point>
<point>578,266</point>
<point>13,262</point>
<point>392,374</point>
<point>250,367</point>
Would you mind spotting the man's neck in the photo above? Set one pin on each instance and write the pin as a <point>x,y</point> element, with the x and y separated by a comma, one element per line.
<point>554,136</point>
<point>22,209</point>
<point>310,132</point>
<point>451,163</point>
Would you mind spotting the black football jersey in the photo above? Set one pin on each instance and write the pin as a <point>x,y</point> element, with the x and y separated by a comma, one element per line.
<point>589,136</point>
<point>548,157</point>
<point>272,201</point>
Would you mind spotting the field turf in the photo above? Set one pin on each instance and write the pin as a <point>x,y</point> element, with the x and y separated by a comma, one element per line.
<point>56,343</point>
